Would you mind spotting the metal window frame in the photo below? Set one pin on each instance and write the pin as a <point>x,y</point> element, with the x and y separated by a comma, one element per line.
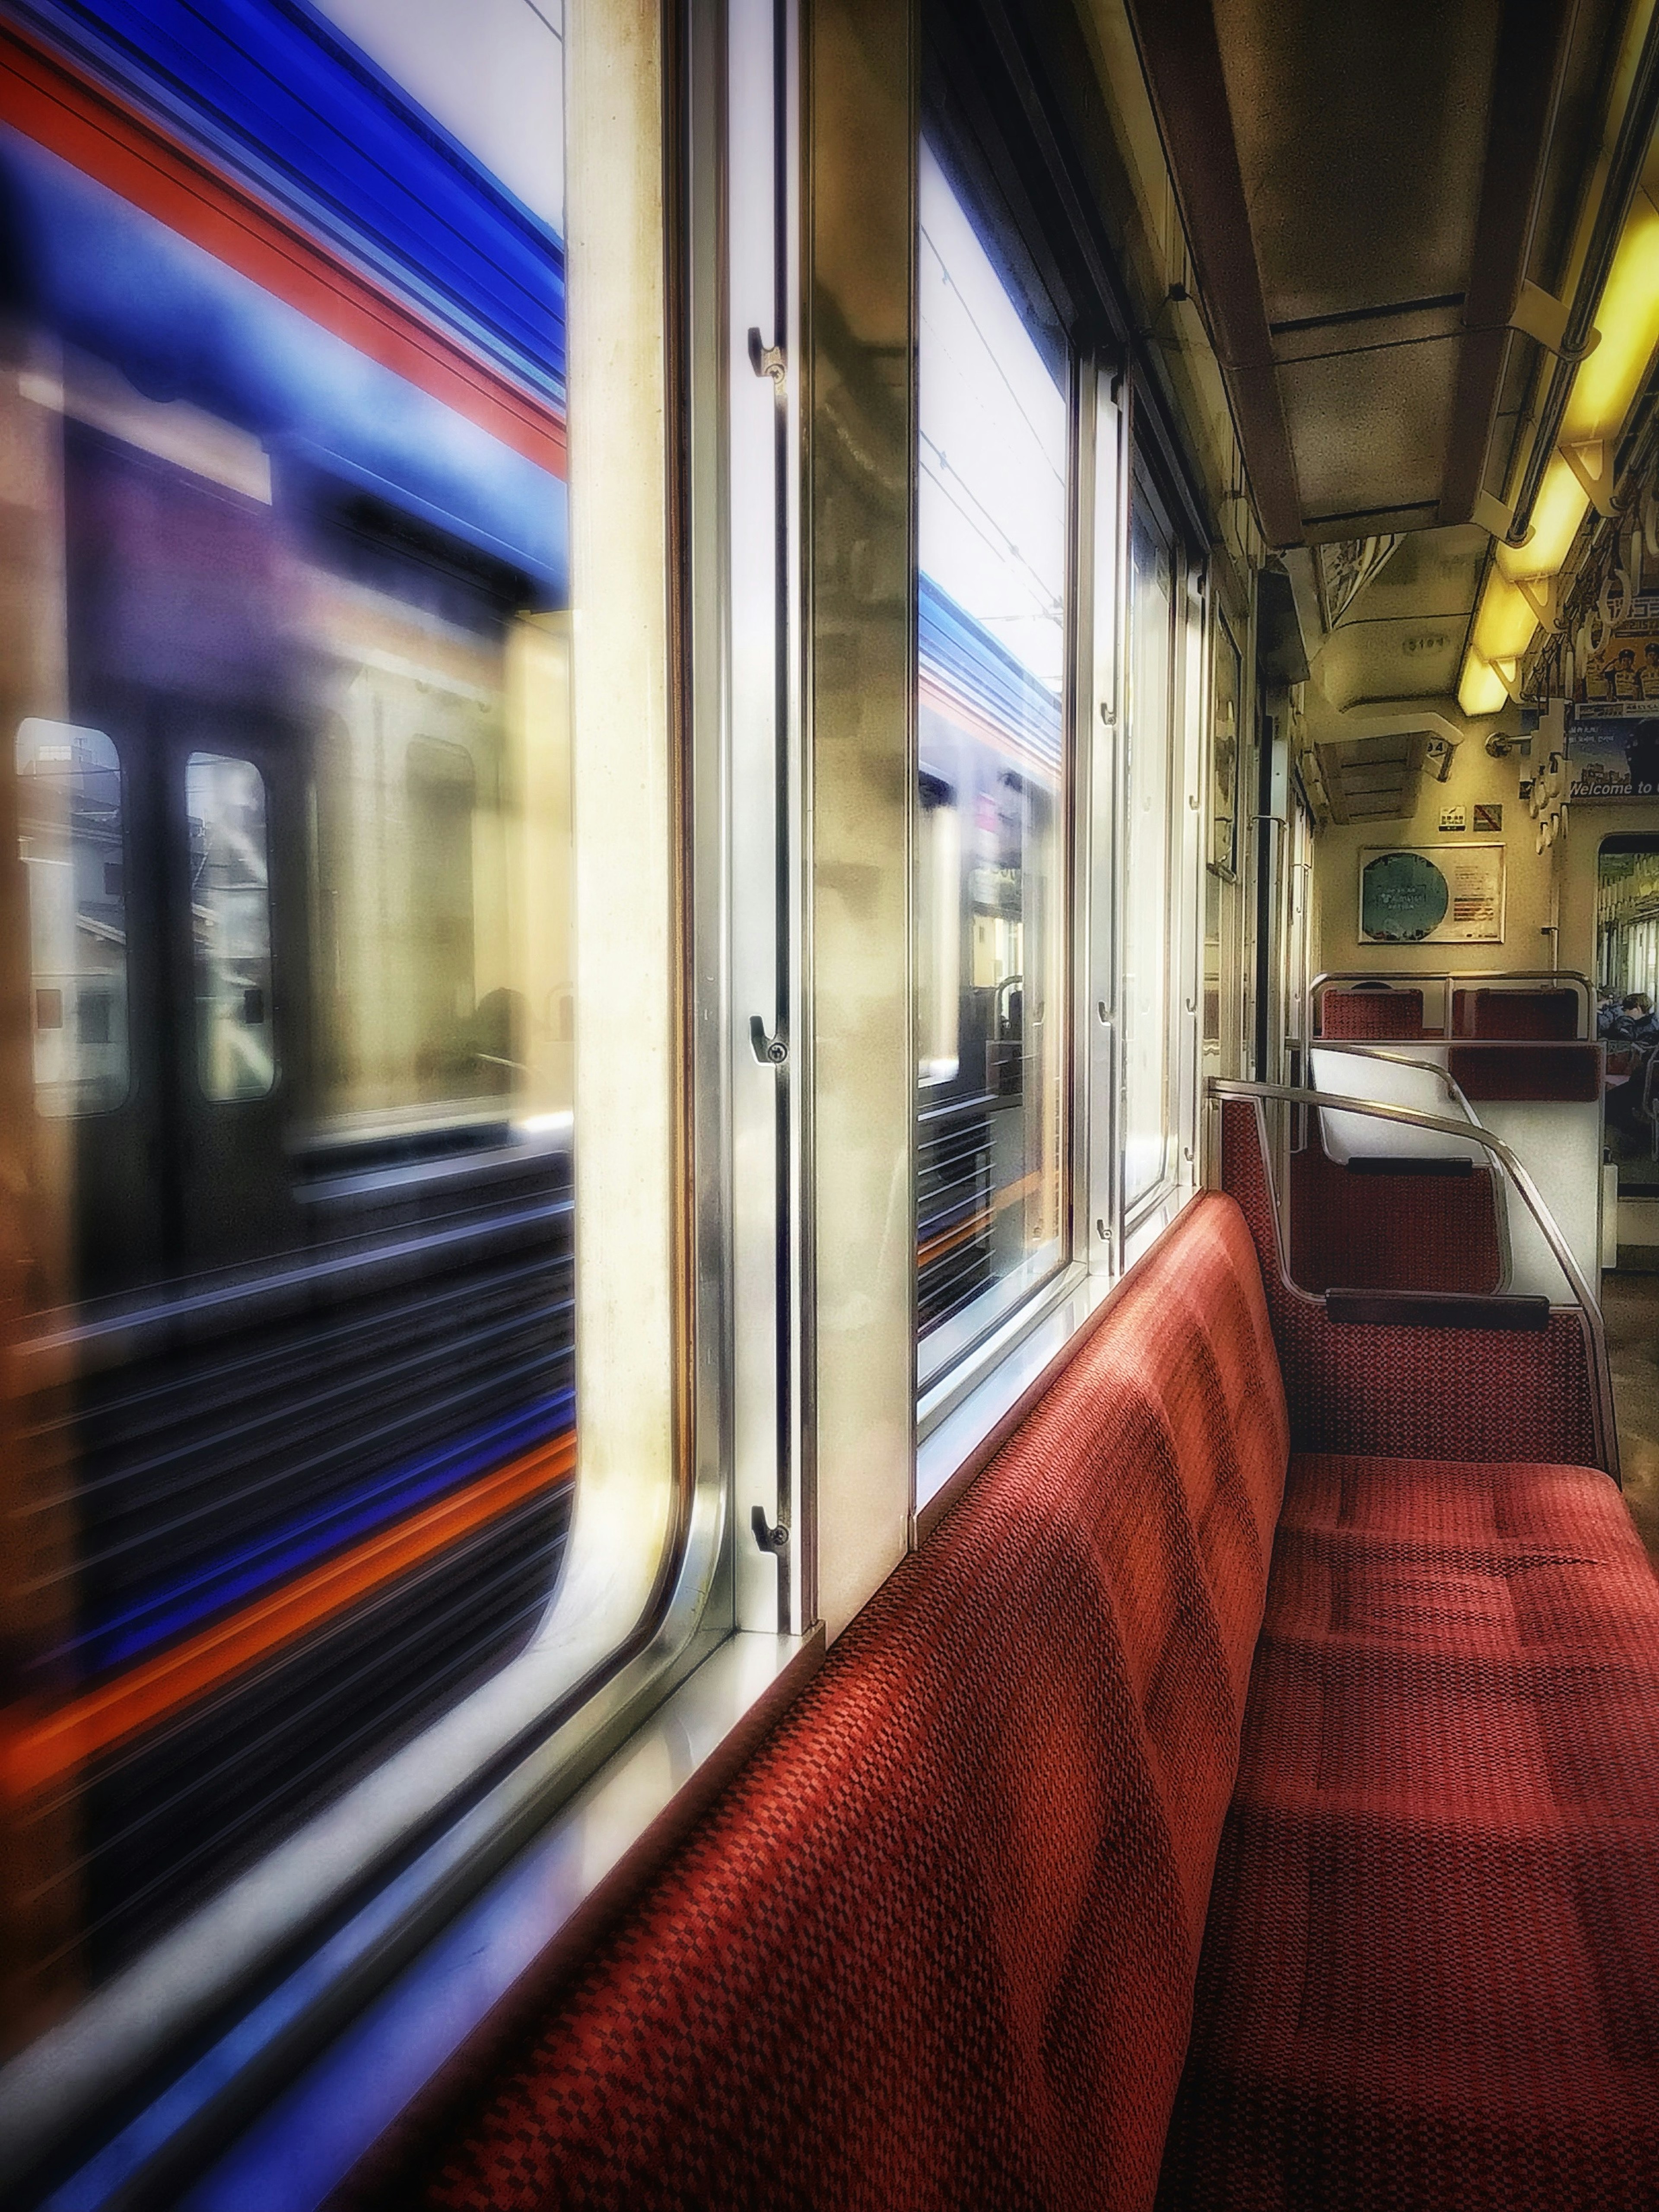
<point>315,1955</point>
<point>945,1389</point>
<point>1189,661</point>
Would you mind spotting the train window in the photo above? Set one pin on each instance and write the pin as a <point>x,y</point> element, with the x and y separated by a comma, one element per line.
<point>1149,934</point>
<point>70,827</point>
<point>230,915</point>
<point>296,1376</point>
<point>991,873</point>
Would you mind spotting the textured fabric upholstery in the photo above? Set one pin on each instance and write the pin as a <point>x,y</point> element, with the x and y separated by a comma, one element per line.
<point>936,1946</point>
<point>1390,1013</point>
<point>1542,1014</point>
<point>1566,1074</point>
<point>1418,1393</point>
<point>1389,1232</point>
<point>1430,1977</point>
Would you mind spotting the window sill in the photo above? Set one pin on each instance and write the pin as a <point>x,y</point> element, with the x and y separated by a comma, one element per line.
<point>349,2114</point>
<point>965,1436</point>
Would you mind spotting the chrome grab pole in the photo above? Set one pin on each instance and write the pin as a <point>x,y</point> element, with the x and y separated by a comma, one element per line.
<point>1222,1087</point>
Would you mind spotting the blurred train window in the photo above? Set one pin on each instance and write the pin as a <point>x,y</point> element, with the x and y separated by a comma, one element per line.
<point>991,873</point>
<point>293,1472</point>
<point>69,837</point>
<point>230,913</point>
<point>1148,947</point>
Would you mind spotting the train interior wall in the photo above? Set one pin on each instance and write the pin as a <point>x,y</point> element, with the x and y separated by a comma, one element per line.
<point>719,715</point>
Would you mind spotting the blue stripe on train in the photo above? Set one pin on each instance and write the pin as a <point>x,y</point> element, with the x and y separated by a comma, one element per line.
<point>185,1603</point>
<point>276,95</point>
<point>180,325</point>
<point>973,663</point>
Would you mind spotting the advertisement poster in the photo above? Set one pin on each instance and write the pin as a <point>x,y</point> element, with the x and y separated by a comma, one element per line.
<point>1613,714</point>
<point>1432,895</point>
<point>1612,748</point>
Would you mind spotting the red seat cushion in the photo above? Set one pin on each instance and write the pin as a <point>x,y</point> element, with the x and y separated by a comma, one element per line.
<point>1391,1013</point>
<point>936,1947</point>
<point>1516,1013</point>
<point>1406,1232</point>
<point>1430,1976</point>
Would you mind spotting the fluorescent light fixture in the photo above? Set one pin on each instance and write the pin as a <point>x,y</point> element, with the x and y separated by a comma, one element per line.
<point>1556,515</point>
<point>1505,621</point>
<point>1627,317</point>
<point>1481,690</point>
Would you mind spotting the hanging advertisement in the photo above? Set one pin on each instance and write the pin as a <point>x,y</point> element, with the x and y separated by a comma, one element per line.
<point>1612,665</point>
<point>1431,895</point>
<point>1613,750</point>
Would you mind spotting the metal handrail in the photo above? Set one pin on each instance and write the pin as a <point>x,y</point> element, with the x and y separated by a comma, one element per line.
<point>1451,977</point>
<point>1505,1249</point>
<point>1606,1434</point>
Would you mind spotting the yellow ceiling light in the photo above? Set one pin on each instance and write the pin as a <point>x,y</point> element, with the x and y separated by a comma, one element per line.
<point>1556,513</point>
<point>1505,621</point>
<point>1627,317</point>
<point>1481,690</point>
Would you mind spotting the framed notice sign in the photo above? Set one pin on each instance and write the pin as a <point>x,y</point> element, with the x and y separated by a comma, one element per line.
<point>1431,895</point>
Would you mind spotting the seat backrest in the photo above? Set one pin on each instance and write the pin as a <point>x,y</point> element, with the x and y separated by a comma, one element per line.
<point>1545,1015</point>
<point>936,1946</point>
<point>1361,1014</point>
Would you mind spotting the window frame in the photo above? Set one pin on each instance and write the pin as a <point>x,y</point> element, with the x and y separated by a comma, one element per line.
<point>961,1416</point>
<point>302,1945</point>
<point>1190,706</point>
<point>961,1373</point>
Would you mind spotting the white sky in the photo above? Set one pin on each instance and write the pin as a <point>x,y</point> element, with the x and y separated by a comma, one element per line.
<point>492,71</point>
<point>994,443</point>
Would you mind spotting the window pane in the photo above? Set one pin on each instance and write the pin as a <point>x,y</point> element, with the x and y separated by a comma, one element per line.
<point>1146,946</point>
<point>69,835</point>
<point>290,531</point>
<point>230,911</point>
<point>990,856</point>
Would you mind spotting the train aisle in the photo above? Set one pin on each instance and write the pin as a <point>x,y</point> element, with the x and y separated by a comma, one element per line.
<point>1630,1307</point>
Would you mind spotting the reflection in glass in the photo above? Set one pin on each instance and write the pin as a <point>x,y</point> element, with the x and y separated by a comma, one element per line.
<point>1147,947</point>
<point>990,874</point>
<point>69,835</point>
<point>230,914</point>
<point>296,842</point>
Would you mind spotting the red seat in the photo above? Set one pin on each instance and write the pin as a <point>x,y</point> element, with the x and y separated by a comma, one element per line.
<point>1430,1975</point>
<point>1417,1232</point>
<point>1390,1012</point>
<point>936,1947</point>
<point>1542,1016</point>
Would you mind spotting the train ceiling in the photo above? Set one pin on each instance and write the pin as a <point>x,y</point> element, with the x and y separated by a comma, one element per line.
<point>1364,191</point>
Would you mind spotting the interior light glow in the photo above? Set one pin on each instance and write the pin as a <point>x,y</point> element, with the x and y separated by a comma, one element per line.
<point>1505,621</point>
<point>1480,691</point>
<point>1627,317</point>
<point>1556,515</point>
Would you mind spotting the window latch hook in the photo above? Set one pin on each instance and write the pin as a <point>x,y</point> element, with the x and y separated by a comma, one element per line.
<point>765,360</point>
<point>775,1540</point>
<point>770,1051</point>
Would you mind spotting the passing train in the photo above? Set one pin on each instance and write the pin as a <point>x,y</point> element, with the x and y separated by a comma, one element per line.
<point>908,738</point>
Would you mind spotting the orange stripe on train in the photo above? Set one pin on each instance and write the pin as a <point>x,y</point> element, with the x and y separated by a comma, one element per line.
<point>37,1750</point>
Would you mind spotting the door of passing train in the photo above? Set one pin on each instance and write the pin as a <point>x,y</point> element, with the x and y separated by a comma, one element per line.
<point>162,934</point>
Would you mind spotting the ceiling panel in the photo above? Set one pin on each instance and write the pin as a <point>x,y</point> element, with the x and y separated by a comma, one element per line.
<point>1432,572</point>
<point>1361,133</point>
<point>1414,658</point>
<point>1369,429</point>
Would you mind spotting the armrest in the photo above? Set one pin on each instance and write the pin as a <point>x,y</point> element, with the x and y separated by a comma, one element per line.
<point>1438,1310</point>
